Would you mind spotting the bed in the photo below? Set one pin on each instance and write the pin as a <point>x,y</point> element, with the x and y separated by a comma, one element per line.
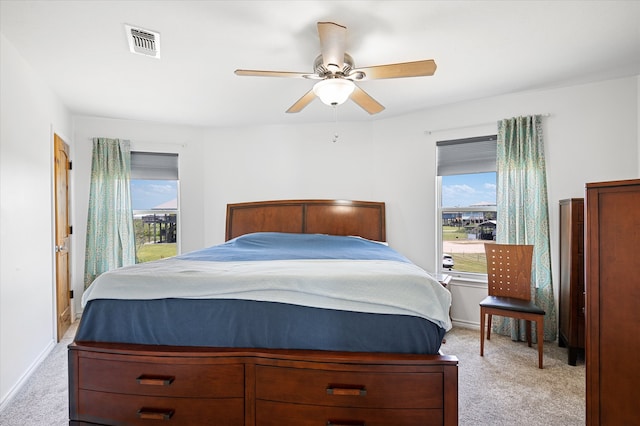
<point>312,320</point>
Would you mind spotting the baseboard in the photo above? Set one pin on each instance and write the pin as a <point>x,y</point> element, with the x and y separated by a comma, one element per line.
<point>25,377</point>
<point>465,324</point>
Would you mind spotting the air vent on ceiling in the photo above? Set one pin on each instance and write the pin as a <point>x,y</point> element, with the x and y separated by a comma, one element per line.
<point>143,42</point>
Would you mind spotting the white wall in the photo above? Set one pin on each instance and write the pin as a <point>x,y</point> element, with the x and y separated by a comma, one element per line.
<point>29,115</point>
<point>284,162</point>
<point>590,135</point>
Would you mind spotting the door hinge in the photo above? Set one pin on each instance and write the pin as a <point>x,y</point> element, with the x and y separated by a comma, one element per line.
<point>70,294</point>
<point>70,165</point>
<point>70,230</point>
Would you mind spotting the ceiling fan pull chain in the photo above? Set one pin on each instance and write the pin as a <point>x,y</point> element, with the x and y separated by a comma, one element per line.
<point>335,123</point>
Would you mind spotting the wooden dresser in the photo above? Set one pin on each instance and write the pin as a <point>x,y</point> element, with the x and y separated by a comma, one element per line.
<point>571,301</point>
<point>612,285</point>
<point>128,385</point>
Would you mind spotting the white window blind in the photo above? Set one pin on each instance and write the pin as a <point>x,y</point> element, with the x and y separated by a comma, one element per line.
<point>154,165</point>
<point>463,156</point>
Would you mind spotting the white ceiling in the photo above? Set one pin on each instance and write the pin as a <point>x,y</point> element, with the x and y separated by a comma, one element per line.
<point>482,48</point>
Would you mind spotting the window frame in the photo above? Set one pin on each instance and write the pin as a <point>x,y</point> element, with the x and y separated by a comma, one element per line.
<point>470,277</point>
<point>169,149</point>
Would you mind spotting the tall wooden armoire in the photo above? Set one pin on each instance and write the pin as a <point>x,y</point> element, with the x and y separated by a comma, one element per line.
<point>571,300</point>
<point>612,351</point>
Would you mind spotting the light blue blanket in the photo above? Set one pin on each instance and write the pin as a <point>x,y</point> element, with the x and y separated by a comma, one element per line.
<point>373,278</point>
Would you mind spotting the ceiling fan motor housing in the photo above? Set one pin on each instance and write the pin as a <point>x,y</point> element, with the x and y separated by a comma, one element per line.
<point>322,71</point>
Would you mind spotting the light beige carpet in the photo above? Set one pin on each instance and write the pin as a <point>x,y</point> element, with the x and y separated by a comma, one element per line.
<point>505,387</point>
<point>43,399</point>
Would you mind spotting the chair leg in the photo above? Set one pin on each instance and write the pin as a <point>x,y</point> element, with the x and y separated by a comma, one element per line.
<point>481,332</point>
<point>540,330</point>
<point>528,332</point>
<point>489,327</point>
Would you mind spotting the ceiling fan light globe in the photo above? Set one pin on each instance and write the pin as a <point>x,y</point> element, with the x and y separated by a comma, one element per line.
<point>334,91</point>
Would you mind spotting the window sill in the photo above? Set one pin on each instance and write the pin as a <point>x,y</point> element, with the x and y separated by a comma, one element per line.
<point>472,280</point>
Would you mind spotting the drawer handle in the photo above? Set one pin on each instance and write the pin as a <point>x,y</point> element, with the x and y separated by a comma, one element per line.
<point>155,413</point>
<point>346,390</point>
<point>345,423</point>
<point>146,379</point>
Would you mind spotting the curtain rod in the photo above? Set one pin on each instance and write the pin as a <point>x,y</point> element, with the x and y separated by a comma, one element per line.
<point>428,132</point>
<point>183,145</point>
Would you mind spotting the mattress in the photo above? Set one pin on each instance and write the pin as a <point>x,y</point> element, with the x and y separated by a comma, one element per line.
<point>273,290</point>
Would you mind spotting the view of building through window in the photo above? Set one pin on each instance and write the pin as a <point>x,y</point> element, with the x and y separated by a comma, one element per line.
<point>155,212</point>
<point>468,220</point>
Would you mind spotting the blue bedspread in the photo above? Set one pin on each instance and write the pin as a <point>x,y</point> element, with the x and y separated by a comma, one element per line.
<point>273,290</point>
<point>251,324</point>
<point>283,246</point>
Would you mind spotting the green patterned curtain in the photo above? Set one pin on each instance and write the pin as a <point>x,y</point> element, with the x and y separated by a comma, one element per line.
<point>523,213</point>
<point>110,232</point>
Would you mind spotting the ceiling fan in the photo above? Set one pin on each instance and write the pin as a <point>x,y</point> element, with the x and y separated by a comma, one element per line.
<point>337,74</point>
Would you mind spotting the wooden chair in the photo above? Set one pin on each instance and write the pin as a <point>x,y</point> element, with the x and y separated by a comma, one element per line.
<point>509,274</point>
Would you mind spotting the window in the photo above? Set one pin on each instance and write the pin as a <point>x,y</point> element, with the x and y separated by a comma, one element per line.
<point>467,203</point>
<point>154,196</point>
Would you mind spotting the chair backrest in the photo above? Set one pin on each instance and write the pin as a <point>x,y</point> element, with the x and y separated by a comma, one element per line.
<point>509,270</point>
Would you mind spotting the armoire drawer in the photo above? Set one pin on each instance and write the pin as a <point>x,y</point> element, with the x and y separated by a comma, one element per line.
<point>148,378</point>
<point>270,413</point>
<point>349,388</point>
<point>149,410</point>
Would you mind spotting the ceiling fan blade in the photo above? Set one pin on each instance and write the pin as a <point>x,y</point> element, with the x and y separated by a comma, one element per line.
<point>302,102</point>
<point>333,39</point>
<point>404,69</point>
<point>365,101</point>
<point>287,74</point>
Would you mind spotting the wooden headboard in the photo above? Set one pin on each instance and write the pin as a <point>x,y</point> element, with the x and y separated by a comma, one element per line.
<point>335,217</point>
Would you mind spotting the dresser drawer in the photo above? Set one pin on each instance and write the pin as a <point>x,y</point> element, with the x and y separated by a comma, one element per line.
<point>279,413</point>
<point>350,389</point>
<point>145,378</point>
<point>116,409</point>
